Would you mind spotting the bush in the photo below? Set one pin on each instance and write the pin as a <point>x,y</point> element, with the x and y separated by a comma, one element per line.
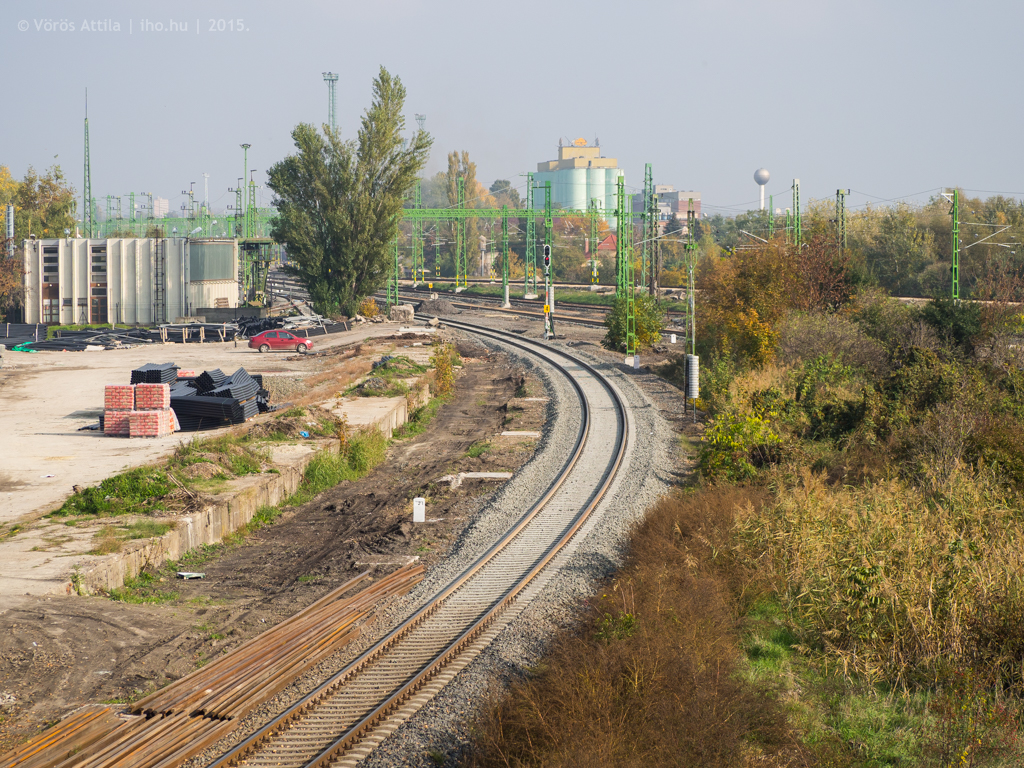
<point>805,337</point>
<point>959,322</point>
<point>443,359</point>
<point>650,319</point>
<point>736,445</point>
<point>368,307</point>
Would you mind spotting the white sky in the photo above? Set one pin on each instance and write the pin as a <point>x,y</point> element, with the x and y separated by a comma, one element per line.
<point>891,99</point>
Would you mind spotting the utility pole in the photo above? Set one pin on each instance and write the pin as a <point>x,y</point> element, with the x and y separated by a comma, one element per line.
<point>841,219</point>
<point>645,216</point>
<point>954,212</point>
<point>461,259</point>
<point>530,267</point>
<point>621,238</point>
<point>332,104</point>
<point>504,256</point>
<point>771,216</point>
<point>592,216</point>
<point>651,242</point>
<point>87,217</point>
<point>691,251</point>
<point>245,178</point>
<point>797,228</point>
<point>417,234</point>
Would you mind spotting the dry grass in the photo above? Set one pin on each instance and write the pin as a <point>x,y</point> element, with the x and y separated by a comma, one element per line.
<point>650,678</point>
<point>895,584</point>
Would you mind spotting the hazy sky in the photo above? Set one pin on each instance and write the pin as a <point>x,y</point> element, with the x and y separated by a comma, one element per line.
<point>891,99</point>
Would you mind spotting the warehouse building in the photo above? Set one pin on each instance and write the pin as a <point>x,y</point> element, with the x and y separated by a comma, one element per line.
<point>579,175</point>
<point>142,281</point>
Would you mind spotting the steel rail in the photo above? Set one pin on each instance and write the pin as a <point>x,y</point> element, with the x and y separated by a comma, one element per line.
<point>305,709</point>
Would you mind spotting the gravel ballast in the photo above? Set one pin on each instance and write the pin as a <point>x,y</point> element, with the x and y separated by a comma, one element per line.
<point>441,726</point>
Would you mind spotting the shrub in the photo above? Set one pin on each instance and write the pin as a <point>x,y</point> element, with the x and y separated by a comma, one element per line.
<point>650,678</point>
<point>736,445</point>
<point>959,322</point>
<point>650,319</point>
<point>443,359</point>
<point>805,337</point>
<point>368,307</point>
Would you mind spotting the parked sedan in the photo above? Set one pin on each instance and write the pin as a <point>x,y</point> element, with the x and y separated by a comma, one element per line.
<point>269,340</point>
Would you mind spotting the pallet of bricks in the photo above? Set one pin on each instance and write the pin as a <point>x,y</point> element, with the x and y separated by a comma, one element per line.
<point>142,408</point>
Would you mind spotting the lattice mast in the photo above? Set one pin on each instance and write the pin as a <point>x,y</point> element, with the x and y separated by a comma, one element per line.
<point>87,217</point>
<point>332,100</point>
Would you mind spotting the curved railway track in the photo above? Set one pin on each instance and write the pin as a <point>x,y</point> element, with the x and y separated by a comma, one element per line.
<point>344,718</point>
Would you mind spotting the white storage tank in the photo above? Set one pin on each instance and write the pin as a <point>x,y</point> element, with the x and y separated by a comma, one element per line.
<point>596,186</point>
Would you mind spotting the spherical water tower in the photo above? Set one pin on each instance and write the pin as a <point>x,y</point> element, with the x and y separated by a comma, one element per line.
<point>761,176</point>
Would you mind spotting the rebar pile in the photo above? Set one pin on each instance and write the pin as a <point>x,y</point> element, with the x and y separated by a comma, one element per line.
<point>178,722</point>
<point>234,684</point>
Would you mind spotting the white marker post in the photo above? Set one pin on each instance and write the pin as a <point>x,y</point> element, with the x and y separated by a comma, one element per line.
<point>419,510</point>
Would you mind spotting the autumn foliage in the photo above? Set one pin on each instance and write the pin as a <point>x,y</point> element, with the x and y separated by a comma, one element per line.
<point>745,296</point>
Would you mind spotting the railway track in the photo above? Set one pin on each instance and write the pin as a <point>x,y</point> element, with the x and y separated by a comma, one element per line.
<point>344,718</point>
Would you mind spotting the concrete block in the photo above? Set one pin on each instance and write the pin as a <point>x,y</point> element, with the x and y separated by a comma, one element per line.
<point>403,313</point>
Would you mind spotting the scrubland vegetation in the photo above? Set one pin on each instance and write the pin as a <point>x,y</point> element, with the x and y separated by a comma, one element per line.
<point>841,581</point>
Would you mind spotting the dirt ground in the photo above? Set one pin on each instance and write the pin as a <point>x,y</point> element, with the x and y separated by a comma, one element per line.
<point>59,653</point>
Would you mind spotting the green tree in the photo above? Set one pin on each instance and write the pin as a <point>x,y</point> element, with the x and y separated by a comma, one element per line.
<point>460,166</point>
<point>650,319</point>
<point>44,207</point>
<point>339,202</point>
<point>505,194</point>
<point>900,251</point>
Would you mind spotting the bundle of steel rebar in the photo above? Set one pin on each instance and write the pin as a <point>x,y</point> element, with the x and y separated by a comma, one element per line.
<point>178,722</point>
<point>254,672</point>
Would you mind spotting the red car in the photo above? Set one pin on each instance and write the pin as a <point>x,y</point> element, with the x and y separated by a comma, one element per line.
<point>269,340</point>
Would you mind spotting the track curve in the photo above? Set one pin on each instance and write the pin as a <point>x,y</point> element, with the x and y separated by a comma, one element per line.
<point>333,720</point>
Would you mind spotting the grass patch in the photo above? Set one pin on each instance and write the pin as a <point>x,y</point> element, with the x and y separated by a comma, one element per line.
<point>420,419</point>
<point>144,588</point>
<point>479,449</point>
<point>295,412</point>
<point>137,491</point>
<point>110,538</point>
<point>361,453</point>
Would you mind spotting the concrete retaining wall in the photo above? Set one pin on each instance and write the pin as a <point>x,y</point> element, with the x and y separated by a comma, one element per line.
<point>209,526</point>
<point>217,521</point>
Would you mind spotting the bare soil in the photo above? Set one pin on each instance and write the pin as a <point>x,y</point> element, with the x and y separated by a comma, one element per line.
<point>57,654</point>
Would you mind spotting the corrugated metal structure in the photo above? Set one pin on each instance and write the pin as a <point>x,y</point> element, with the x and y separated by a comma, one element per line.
<point>143,281</point>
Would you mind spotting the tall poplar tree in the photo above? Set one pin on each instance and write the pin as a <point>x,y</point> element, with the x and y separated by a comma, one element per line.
<point>339,202</point>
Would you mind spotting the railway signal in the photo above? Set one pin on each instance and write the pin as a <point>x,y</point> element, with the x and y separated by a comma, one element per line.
<point>549,296</point>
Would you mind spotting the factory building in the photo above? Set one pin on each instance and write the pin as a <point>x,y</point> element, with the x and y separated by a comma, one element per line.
<point>144,280</point>
<point>579,175</point>
<point>670,201</point>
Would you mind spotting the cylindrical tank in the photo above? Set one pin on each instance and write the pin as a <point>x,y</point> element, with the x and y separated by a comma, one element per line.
<point>596,186</point>
<point>575,195</point>
<point>692,377</point>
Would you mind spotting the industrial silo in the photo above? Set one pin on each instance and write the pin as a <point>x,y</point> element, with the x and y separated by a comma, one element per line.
<point>575,195</point>
<point>596,186</point>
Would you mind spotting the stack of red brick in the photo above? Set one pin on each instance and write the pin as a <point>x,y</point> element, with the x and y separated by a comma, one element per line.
<point>138,410</point>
